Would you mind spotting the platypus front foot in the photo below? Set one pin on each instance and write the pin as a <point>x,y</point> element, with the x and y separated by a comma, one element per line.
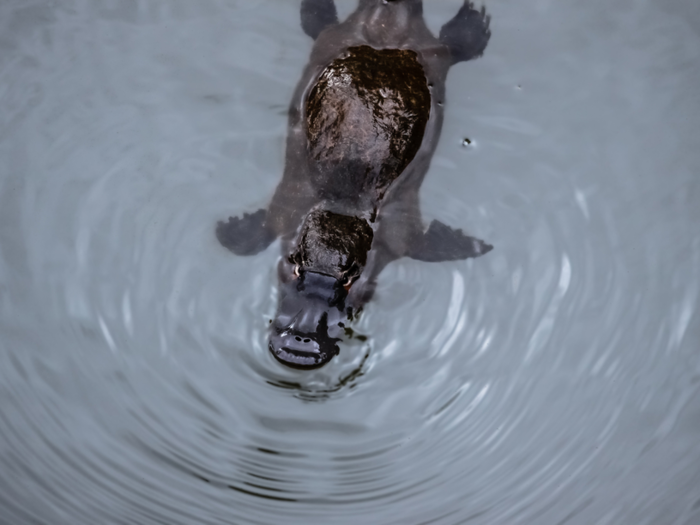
<point>467,34</point>
<point>442,243</point>
<point>247,235</point>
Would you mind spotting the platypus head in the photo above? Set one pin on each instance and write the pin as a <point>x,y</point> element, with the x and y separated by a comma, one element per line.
<point>329,256</point>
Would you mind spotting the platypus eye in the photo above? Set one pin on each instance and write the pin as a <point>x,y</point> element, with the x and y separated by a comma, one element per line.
<point>348,282</point>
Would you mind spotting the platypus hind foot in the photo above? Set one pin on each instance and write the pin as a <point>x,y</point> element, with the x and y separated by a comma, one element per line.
<point>467,33</point>
<point>317,15</point>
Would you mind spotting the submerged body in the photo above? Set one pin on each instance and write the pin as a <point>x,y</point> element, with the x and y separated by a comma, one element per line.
<point>364,123</point>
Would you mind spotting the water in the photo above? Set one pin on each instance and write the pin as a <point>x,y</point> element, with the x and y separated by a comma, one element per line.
<point>554,381</point>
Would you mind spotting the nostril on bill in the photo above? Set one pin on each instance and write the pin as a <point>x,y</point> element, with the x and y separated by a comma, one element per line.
<point>302,350</point>
<point>299,358</point>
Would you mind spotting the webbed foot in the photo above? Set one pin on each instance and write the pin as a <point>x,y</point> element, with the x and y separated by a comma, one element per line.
<point>317,15</point>
<point>467,34</point>
<point>247,235</point>
<point>442,243</point>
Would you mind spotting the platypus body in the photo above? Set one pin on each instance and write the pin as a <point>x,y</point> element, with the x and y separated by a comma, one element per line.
<point>363,125</point>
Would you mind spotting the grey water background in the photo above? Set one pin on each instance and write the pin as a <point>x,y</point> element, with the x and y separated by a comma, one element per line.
<point>554,381</point>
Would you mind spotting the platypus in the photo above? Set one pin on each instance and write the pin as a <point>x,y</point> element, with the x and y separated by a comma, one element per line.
<point>364,122</point>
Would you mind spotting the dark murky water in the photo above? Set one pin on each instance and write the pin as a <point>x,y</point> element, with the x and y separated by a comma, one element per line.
<point>555,380</point>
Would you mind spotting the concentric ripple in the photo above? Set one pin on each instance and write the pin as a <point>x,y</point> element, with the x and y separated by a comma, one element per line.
<point>555,380</point>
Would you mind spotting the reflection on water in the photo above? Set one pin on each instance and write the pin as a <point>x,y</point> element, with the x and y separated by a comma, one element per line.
<point>555,381</point>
